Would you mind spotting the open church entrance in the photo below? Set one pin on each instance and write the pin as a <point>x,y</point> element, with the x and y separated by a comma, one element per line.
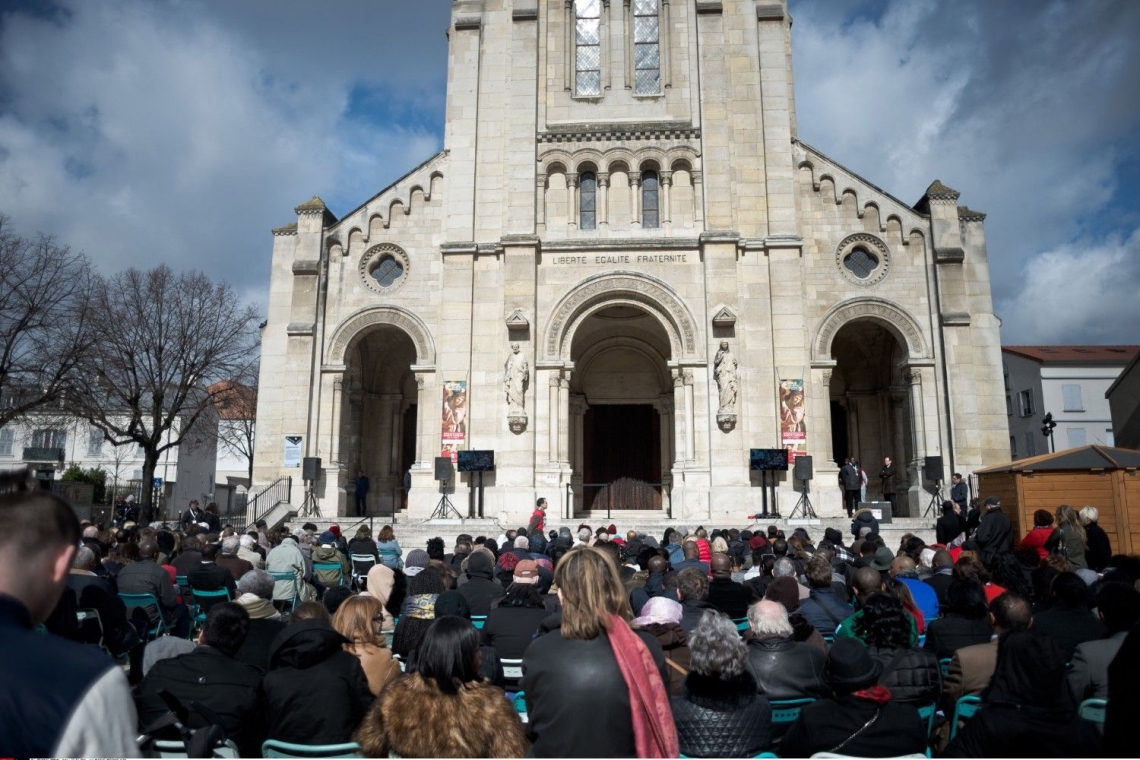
<point>621,405</point>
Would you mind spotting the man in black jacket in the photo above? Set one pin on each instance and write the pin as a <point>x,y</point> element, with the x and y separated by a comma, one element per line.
<point>851,481</point>
<point>959,491</point>
<point>210,576</point>
<point>783,667</point>
<point>995,533</point>
<point>481,587</point>
<point>725,594</point>
<point>692,590</point>
<point>1069,621</point>
<point>212,676</point>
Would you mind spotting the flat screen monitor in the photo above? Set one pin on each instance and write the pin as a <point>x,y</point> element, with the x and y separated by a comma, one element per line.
<point>768,459</point>
<point>476,461</point>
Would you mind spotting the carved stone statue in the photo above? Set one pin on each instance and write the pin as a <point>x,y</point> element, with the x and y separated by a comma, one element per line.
<point>724,368</point>
<point>516,375</point>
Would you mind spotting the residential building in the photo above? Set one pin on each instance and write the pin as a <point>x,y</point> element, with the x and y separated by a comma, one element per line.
<point>1068,382</point>
<point>1124,401</point>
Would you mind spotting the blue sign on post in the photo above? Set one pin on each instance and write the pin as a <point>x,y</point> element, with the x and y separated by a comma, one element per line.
<point>157,483</point>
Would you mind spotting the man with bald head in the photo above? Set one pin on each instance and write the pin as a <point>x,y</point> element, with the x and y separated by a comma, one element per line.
<point>867,581</point>
<point>725,594</point>
<point>692,558</point>
<point>146,577</point>
<point>943,564</point>
<point>654,585</point>
<point>925,598</point>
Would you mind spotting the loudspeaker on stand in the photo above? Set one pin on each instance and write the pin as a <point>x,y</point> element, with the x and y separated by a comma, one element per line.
<point>311,469</point>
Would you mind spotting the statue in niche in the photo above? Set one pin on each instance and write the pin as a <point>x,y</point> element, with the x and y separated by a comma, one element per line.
<point>516,375</point>
<point>724,369</point>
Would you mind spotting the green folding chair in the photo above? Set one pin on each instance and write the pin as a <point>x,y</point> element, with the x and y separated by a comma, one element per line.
<point>944,666</point>
<point>788,710</point>
<point>1092,710</point>
<point>274,748</point>
<point>199,614</point>
<point>479,621</point>
<point>329,567</point>
<point>147,601</point>
<point>287,576</point>
<point>741,624</point>
<point>965,708</point>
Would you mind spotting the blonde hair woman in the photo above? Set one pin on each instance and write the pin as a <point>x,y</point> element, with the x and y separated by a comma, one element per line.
<point>593,686</point>
<point>1098,549</point>
<point>1069,538</point>
<point>359,619</point>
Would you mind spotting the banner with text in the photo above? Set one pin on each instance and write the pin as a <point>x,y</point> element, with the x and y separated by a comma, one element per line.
<point>292,451</point>
<point>793,418</point>
<point>453,429</point>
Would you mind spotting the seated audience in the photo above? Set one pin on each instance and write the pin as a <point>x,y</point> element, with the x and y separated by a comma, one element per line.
<point>786,592</point>
<point>229,559</point>
<point>1069,621</point>
<point>481,586</point>
<point>1118,607</point>
<point>1026,712</point>
<point>359,619</point>
<point>964,620</point>
<point>823,608</point>
<point>972,667</point>
<point>145,576</point>
<point>910,673</point>
<point>725,594</point>
<point>923,596</point>
<point>1039,533</point>
<point>444,708</point>
<point>661,618</point>
<point>692,591</point>
<point>419,612</point>
<point>858,719</point>
<point>783,667</point>
<point>513,624</point>
<point>210,675</point>
<point>719,712</point>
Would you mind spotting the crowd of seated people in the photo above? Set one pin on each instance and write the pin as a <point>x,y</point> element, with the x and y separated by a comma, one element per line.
<point>703,643</point>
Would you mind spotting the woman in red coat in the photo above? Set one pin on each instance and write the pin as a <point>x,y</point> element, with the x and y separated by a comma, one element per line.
<point>1042,528</point>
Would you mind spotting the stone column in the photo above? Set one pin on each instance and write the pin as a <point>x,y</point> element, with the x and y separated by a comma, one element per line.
<point>664,407</point>
<point>338,403</point>
<point>540,202</point>
<point>552,414</point>
<point>918,439</point>
<point>665,45</point>
<point>680,418</point>
<point>601,200</point>
<point>628,46</point>
<point>564,419</point>
<point>578,407</point>
<point>393,403</point>
<point>698,198</point>
<point>604,33</point>
<point>572,192</point>
<point>569,47</point>
<point>635,198</point>
<point>665,207</point>
<point>428,423</point>
<point>898,444</point>
<point>690,423</point>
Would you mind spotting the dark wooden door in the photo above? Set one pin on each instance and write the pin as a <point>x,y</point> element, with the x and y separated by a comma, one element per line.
<point>622,449</point>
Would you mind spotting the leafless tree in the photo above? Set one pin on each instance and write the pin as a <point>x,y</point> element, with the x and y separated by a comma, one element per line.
<point>45,291</point>
<point>164,339</point>
<point>237,407</point>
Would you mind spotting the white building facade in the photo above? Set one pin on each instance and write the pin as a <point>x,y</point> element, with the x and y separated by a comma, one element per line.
<point>623,198</point>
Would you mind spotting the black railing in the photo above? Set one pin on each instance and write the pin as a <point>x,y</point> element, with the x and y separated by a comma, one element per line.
<point>259,505</point>
<point>614,498</point>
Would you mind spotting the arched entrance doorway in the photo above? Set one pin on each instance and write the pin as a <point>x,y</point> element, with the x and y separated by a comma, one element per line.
<point>870,410</point>
<point>621,409</point>
<point>378,418</point>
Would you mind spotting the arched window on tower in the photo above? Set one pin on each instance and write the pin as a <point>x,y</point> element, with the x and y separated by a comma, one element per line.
<point>588,47</point>
<point>646,47</point>
<point>588,201</point>
<point>650,217</point>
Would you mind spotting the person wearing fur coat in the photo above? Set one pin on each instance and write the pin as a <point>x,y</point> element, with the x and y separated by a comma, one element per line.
<point>444,709</point>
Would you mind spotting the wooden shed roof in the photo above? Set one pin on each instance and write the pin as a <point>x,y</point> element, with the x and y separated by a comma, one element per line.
<point>1084,458</point>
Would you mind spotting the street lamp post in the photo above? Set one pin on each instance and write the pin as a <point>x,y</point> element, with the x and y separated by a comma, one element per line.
<point>1047,431</point>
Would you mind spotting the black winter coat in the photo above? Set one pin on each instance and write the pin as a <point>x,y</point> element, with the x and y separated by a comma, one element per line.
<point>1068,626</point>
<point>577,702</point>
<point>722,718</point>
<point>787,669</point>
<point>479,590</point>
<point>949,527</point>
<point>315,692</point>
<point>914,677</point>
<point>730,597</point>
<point>511,629</point>
<point>205,675</point>
<point>947,635</point>
<point>864,520</point>
<point>824,725</point>
<point>255,649</point>
<point>994,536</point>
<point>1000,730</point>
<point>1098,549</point>
<point>691,612</point>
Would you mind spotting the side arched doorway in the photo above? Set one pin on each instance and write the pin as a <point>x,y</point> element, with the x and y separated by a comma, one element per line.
<point>621,411</point>
<point>870,405</point>
<point>378,416</point>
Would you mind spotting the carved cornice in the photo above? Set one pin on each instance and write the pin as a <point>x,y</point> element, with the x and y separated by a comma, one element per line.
<point>724,318</point>
<point>967,214</point>
<point>288,229</point>
<point>577,133</point>
<point>306,266</point>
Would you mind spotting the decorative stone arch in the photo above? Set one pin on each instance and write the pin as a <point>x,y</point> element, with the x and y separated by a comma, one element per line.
<point>556,159</point>
<point>620,157</point>
<point>621,288</point>
<point>361,323</point>
<point>683,156</point>
<point>879,310</point>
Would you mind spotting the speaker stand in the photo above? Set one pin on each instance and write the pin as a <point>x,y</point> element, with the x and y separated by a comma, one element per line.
<point>804,505</point>
<point>310,507</point>
<point>935,505</point>
<point>444,506</point>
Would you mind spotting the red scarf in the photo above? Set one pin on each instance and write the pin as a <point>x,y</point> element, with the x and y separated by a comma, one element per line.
<point>654,734</point>
<point>880,695</point>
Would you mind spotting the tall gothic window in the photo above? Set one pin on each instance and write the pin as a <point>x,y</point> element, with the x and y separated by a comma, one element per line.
<point>588,47</point>
<point>646,47</point>
<point>649,212</point>
<point>588,200</point>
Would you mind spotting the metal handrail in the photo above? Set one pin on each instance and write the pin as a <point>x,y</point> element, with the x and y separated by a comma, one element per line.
<point>666,488</point>
<point>275,493</point>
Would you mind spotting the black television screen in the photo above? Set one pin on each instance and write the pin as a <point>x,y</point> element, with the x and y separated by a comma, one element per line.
<point>768,459</point>
<point>476,461</point>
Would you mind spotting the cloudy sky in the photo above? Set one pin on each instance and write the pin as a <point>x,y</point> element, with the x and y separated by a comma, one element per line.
<point>181,131</point>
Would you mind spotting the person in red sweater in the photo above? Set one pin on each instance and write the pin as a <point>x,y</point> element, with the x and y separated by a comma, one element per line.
<point>1042,529</point>
<point>703,545</point>
<point>537,518</point>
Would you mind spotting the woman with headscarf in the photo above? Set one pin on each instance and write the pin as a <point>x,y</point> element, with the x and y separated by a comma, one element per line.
<point>444,708</point>
<point>593,686</point>
<point>418,612</point>
<point>661,618</point>
<point>719,712</point>
<point>1026,712</point>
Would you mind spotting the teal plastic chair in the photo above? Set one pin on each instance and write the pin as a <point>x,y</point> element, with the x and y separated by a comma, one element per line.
<point>287,576</point>
<point>741,624</point>
<point>786,711</point>
<point>944,666</point>
<point>520,705</point>
<point>921,641</point>
<point>146,601</point>
<point>200,594</point>
<point>965,708</point>
<point>274,748</point>
<point>177,748</point>
<point>183,583</point>
<point>926,712</point>
<point>328,567</point>
<point>1093,710</point>
<point>478,621</point>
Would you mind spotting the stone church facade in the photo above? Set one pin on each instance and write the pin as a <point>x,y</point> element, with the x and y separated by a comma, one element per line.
<point>622,273</point>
